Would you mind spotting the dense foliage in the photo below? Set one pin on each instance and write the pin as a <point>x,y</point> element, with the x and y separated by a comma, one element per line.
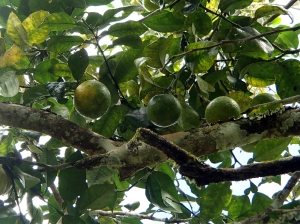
<point>195,50</point>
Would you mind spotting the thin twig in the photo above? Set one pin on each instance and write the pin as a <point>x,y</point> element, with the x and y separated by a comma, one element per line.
<point>224,42</point>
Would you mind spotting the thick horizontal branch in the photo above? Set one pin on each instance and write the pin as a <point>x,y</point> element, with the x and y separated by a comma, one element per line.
<point>55,126</point>
<point>136,154</point>
<point>204,175</point>
<point>149,217</point>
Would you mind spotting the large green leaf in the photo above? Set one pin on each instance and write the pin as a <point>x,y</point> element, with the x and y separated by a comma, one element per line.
<point>131,40</point>
<point>110,15</point>
<point>9,84</point>
<point>267,10</point>
<point>261,74</point>
<point>31,23</point>
<point>260,202</point>
<point>97,197</point>
<point>42,72</point>
<point>288,82</point>
<point>267,150</point>
<point>125,68</point>
<point>161,191</point>
<point>200,21</point>
<point>61,44</point>
<point>58,22</point>
<point>156,51</point>
<point>72,181</point>
<point>164,21</point>
<point>99,175</point>
<point>35,93</point>
<point>48,157</point>
<point>126,28</point>
<point>239,207</point>
<point>214,198</point>
<point>66,219</point>
<point>16,30</point>
<point>231,5</point>
<point>78,62</point>
<point>257,48</point>
<point>201,60</point>
<point>109,122</point>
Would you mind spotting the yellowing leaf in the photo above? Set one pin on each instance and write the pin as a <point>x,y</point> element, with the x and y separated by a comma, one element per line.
<point>36,35</point>
<point>11,57</point>
<point>16,30</point>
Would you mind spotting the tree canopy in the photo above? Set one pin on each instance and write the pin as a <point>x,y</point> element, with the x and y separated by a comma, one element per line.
<point>186,52</point>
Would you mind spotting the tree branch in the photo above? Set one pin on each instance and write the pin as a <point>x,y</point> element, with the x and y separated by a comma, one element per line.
<point>277,202</point>
<point>224,42</point>
<point>287,6</point>
<point>149,217</point>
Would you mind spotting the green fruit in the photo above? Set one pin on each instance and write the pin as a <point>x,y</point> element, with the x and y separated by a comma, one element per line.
<point>264,98</point>
<point>163,110</point>
<point>92,99</point>
<point>222,108</point>
<point>5,181</point>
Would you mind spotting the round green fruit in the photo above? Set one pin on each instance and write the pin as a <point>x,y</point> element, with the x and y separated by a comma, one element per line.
<point>264,98</point>
<point>222,108</point>
<point>92,99</point>
<point>5,181</point>
<point>163,110</point>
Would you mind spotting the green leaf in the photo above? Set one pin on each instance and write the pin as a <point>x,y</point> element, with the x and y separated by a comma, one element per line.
<point>267,149</point>
<point>42,72</point>
<point>126,28</point>
<point>9,84</point>
<point>67,219</point>
<point>31,23</point>
<point>28,181</point>
<point>109,122</point>
<point>99,175</point>
<point>260,202</point>
<point>164,21</point>
<point>110,15</point>
<point>261,74</point>
<point>288,40</point>
<point>60,70</point>
<point>257,48</point>
<point>231,5</point>
<point>268,10</point>
<point>7,144</point>
<point>78,63</point>
<point>35,93</point>
<point>132,40</point>
<point>125,68</point>
<point>189,118</point>
<point>214,198</point>
<point>201,60</point>
<point>9,216</point>
<point>14,57</point>
<point>48,157</point>
<point>204,86</point>
<point>287,81</point>
<point>156,51</point>
<point>57,22</point>
<point>96,197</point>
<point>200,21</point>
<point>72,181</point>
<point>16,30</point>
<point>219,157</point>
<point>239,207</point>
<point>160,190</point>
<point>61,44</point>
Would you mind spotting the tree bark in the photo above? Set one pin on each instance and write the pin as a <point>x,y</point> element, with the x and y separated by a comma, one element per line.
<point>135,154</point>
